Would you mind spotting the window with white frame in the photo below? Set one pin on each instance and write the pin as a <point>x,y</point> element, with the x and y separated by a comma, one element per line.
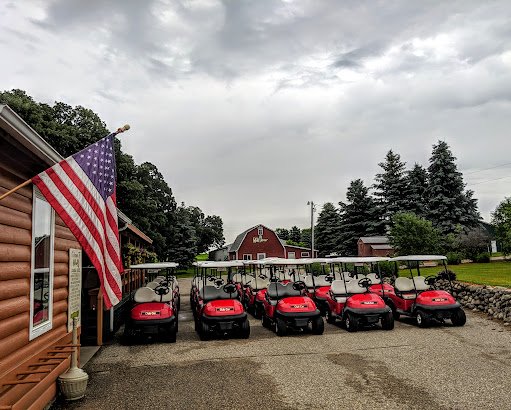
<point>291,255</point>
<point>41,281</point>
<point>247,256</point>
<point>261,256</point>
<point>260,231</point>
<point>304,254</point>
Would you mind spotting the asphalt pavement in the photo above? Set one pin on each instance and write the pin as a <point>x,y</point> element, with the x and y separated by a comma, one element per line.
<point>442,367</point>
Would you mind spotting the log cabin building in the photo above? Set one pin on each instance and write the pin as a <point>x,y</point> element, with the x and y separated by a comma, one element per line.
<point>34,273</point>
<point>260,242</point>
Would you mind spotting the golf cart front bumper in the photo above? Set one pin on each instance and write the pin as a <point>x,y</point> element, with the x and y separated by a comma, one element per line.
<point>226,322</point>
<point>368,316</point>
<point>298,319</point>
<point>439,311</point>
<point>149,326</point>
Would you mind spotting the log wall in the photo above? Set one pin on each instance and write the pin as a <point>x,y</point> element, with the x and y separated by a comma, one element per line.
<point>15,254</point>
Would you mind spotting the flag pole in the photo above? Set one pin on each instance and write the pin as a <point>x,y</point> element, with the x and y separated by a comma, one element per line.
<point>28,181</point>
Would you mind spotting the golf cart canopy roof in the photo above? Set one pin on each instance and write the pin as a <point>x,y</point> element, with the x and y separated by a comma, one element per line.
<point>419,258</point>
<point>218,264</point>
<point>355,259</point>
<point>156,265</point>
<point>282,261</point>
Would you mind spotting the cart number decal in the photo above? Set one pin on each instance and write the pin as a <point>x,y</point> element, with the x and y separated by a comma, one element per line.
<point>225,309</point>
<point>298,306</point>
<point>439,299</point>
<point>369,303</point>
<point>150,313</point>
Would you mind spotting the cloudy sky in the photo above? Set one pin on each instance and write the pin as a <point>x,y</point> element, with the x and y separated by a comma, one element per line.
<point>252,108</point>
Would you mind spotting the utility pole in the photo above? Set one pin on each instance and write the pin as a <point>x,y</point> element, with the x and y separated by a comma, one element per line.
<point>313,208</point>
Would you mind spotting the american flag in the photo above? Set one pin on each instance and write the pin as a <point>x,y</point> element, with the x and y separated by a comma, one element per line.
<point>81,189</point>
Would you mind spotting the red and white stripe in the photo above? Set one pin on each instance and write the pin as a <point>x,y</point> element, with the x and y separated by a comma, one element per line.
<point>93,221</point>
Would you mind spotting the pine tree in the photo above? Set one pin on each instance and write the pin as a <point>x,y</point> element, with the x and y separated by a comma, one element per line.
<point>327,231</point>
<point>417,183</point>
<point>295,234</point>
<point>359,217</point>
<point>390,186</point>
<point>449,206</point>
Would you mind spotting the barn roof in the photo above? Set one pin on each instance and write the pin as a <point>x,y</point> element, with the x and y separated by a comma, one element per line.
<point>241,237</point>
<point>374,239</point>
<point>384,247</point>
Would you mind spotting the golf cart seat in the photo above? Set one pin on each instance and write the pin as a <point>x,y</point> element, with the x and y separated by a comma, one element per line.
<point>405,287</point>
<point>374,279</point>
<point>209,293</point>
<point>146,295</point>
<point>258,283</point>
<point>246,279</point>
<point>279,291</point>
<point>159,278</point>
<point>338,290</point>
<point>318,282</point>
<point>237,278</point>
<point>420,283</point>
<point>153,284</point>
<point>353,287</point>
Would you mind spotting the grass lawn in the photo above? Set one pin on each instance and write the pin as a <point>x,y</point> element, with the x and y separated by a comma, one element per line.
<point>493,274</point>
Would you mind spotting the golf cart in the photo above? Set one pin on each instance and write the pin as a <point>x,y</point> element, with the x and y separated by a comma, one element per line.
<point>351,301</point>
<point>417,297</point>
<point>255,288</point>
<point>153,309</point>
<point>217,306</point>
<point>285,305</point>
<point>317,287</point>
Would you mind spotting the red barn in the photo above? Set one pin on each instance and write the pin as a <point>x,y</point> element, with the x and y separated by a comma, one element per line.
<point>261,242</point>
<point>374,246</point>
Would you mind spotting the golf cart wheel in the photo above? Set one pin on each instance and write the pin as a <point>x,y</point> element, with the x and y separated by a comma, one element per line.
<point>245,329</point>
<point>265,321</point>
<point>196,324</point>
<point>204,330</point>
<point>280,327</point>
<point>179,302</point>
<point>387,321</point>
<point>330,318</point>
<point>458,317</point>
<point>171,335</point>
<point>351,323</point>
<point>318,326</point>
<point>422,319</point>
<point>127,339</point>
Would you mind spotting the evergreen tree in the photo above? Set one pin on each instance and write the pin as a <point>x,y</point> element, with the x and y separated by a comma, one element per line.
<point>182,245</point>
<point>327,230</point>
<point>282,233</point>
<point>305,237</point>
<point>295,234</point>
<point>390,186</point>
<point>448,205</point>
<point>359,217</point>
<point>417,183</point>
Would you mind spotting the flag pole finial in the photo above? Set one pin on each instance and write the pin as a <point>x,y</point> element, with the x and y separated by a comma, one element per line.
<point>125,128</point>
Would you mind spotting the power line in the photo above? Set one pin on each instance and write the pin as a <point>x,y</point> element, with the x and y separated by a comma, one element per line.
<point>486,169</point>
<point>490,180</point>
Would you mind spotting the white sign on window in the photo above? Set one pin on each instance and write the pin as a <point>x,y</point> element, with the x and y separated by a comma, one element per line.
<point>74,300</point>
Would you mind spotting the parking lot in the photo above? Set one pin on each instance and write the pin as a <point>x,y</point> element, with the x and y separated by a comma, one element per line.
<point>439,367</point>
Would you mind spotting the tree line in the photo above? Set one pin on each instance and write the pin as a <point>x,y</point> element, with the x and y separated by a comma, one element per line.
<point>179,232</point>
<point>420,209</point>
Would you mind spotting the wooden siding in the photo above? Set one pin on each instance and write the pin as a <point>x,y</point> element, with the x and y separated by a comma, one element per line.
<point>16,351</point>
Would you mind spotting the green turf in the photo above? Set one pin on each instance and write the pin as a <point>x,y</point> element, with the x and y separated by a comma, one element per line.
<point>493,274</point>
<point>202,257</point>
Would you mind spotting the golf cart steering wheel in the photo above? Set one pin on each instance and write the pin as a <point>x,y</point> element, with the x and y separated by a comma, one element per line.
<point>298,285</point>
<point>262,276</point>
<point>365,282</point>
<point>431,279</point>
<point>161,290</point>
<point>329,278</point>
<point>219,282</point>
<point>229,288</point>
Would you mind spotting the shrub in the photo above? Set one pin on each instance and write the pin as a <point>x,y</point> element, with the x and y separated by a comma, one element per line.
<point>453,258</point>
<point>483,257</point>
<point>386,268</point>
<point>446,274</point>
